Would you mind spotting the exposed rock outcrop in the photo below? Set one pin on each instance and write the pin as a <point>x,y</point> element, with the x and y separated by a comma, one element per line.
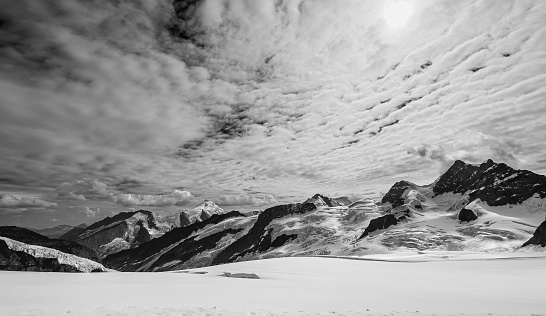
<point>241,275</point>
<point>466,215</point>
<point>392,218</point>
<point>539,237</point>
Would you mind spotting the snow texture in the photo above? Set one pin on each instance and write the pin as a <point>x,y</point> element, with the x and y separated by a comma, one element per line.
<point>413,283</point>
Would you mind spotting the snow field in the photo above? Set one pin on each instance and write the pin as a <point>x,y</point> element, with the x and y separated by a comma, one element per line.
<point>475,284</point>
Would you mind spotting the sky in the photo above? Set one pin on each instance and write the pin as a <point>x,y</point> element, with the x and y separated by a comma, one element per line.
<point>109,106</point>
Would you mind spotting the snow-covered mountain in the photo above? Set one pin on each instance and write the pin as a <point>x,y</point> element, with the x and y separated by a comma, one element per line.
<point>122,231</point>
<point>19,256</point>
<point>409,217</point>
<point>492,202</point>
<point>293,229</point>
<point>127,230</point>
<point>192,245</point>
<point>201,212</point>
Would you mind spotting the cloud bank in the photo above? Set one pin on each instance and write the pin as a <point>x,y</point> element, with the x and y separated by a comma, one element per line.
<point>11,201</point>
<point>177,197</point>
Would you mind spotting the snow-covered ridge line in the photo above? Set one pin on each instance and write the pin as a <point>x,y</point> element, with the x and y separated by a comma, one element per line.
<point>82,264</point>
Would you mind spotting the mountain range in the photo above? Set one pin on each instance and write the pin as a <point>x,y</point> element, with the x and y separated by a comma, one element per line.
<point>57,231</point>
<point>130,229</point>
<point>486,207</point>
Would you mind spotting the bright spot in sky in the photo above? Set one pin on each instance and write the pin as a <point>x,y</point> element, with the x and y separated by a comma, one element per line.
<point>397,13</point>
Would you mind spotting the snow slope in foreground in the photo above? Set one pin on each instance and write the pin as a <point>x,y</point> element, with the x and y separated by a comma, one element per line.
<point>465,284</point>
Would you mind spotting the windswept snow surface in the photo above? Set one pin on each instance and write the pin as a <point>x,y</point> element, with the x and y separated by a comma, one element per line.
<point>412,283</point>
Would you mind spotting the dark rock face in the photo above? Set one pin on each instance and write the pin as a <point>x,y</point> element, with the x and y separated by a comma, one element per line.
<point>104,236</point>
<point>539,237</point>
<point>466,215</point>
<point>133,259</point>
<point>184,219</point>
<point>495,184</point>
<point>142,235</point>
<point>73,233</point>
<point>394,196</point>
<point>29,237</point>
<point>255,239</point>
<point>190,248</point>
<point>11,260</point>
<point>385,221</point>
<point>204,216</point>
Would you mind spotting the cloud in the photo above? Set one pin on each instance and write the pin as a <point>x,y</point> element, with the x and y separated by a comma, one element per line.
<point>90,211</point>
<point>228,97</point>
<point>11,201</point>
<point>235,200</point>
<point>471,148</point>
<point>80,189</point>
<point>104,97</point>
<point>177,197</point>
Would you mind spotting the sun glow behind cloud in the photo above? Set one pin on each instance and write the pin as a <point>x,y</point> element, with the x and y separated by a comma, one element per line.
<point>397,13</point>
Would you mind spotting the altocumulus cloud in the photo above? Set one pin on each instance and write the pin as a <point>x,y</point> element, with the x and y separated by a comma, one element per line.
<point>234,96</point>
<point>87,88</point>
<point>80,189</point>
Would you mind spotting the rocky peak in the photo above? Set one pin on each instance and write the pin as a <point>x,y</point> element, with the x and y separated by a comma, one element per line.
<point>321,200</point>
<point>493,183</point>
<point>396,193</point>
<point>209,207</point>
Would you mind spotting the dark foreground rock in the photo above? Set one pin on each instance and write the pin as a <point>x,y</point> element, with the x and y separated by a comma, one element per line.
<point>12,260</point>
<point>32,238</point>
<point>466,215</point>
